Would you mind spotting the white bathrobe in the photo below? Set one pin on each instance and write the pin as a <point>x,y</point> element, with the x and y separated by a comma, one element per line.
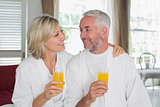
<point>32,75</point>
<point>125,87</point>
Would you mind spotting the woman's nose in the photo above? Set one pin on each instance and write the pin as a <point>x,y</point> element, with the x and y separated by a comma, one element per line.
<point>63,36</point>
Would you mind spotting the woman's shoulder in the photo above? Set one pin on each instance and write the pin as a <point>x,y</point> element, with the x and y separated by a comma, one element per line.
<point>27,62</point>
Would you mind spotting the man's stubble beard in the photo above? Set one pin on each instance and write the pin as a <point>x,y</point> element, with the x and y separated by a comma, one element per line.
<point>95,46</point>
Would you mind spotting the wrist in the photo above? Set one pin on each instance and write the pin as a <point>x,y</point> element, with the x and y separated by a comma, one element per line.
<point>88,101</point>
<point>45,96</point>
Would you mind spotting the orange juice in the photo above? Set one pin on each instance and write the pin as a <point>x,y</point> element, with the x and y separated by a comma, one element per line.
<point>103,76</point>
<point>58,76</point>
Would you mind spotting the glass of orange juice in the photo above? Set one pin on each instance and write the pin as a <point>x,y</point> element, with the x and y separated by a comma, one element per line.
<point>58,76</point>
<point>103,76</point>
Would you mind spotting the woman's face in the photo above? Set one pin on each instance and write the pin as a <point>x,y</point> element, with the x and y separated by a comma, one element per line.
<point>56,42</point>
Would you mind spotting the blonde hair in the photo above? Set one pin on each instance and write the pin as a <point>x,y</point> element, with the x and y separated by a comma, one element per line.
<point>40,30</point>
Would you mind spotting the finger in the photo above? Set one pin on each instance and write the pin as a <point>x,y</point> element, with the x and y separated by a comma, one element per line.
<point>99,95</point>
<point>118,52</point>
<point>111,45</point>
<point>52,83</point>
<point>54,88</point>
<point>55,91</point>
<point>98,82</point>
<point>115,49</point>
<point>56,82</point>
<point>55,94</point>
<point>100,91</point>
<point>99,87</point>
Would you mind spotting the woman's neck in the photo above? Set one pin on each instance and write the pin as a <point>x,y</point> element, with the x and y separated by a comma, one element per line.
<point>50,60</point>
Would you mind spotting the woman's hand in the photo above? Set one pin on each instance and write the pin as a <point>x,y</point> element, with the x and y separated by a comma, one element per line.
<point>51,90</point>
<point>117,50</point>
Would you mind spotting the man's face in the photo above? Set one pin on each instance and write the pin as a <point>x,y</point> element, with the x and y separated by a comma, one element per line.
<point>89,33</point>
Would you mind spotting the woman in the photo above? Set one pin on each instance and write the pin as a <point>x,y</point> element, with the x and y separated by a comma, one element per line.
<point>34,82</point>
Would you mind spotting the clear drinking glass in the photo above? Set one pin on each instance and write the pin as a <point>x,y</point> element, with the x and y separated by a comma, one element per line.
<point>103,76</point>
<point>58,76</point>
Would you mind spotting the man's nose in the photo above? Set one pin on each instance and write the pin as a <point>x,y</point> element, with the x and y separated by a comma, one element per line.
<point>83,34</point>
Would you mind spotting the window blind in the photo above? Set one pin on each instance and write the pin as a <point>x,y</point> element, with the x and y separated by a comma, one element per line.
<point>10,24</point>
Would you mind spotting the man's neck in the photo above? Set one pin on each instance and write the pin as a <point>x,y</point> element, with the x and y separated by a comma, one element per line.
<point>100,50</point>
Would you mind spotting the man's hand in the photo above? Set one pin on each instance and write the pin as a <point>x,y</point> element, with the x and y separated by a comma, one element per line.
<point>97,89</point>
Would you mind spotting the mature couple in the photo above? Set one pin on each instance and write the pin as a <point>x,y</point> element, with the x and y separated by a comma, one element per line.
<point>35,87</point>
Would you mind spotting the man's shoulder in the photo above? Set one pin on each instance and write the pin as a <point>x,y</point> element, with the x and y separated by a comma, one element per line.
<point>124,57</point>
<point>121,57</point>
<point>123,60</point>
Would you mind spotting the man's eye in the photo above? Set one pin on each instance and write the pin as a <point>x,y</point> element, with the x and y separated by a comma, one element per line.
<point>57,34</point>
<point>62,30</point>
<point>87,30</point>
<point>80,30</point>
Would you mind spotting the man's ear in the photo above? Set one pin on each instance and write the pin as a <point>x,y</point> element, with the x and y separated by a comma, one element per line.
<point>104,32</point>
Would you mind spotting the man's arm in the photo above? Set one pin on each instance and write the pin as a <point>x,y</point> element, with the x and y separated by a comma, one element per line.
<point>136,94</point>
<point>84,102</point>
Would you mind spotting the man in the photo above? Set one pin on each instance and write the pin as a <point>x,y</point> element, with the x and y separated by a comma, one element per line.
<point>124,88</point>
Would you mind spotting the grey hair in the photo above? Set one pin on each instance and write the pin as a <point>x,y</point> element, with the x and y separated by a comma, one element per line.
<point>102,19</point>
